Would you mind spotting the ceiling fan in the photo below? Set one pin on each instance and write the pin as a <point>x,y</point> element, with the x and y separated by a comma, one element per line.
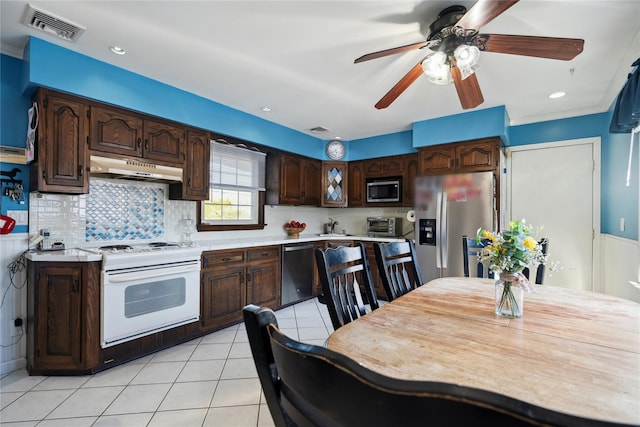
<point>456,43</point>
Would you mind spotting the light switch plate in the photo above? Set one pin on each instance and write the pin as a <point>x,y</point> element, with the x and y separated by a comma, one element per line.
<point>21,217</point>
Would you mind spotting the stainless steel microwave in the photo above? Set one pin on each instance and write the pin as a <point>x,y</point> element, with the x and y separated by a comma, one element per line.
<point>388,190</point>
<point>381,226</point>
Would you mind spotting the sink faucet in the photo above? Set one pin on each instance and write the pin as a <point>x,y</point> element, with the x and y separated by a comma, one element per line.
<point>330,225</point>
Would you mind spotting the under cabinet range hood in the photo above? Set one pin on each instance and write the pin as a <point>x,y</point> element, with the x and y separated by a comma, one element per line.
<point>133,169</point>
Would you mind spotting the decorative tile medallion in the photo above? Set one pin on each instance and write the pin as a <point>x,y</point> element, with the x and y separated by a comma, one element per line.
<point>124,211</point>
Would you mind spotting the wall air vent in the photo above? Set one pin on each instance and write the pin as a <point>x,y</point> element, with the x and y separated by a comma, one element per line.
<point>319,129</point>
<point>52,24</point>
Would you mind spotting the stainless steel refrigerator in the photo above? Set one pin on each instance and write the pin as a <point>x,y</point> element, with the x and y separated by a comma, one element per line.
<point>448,207</point>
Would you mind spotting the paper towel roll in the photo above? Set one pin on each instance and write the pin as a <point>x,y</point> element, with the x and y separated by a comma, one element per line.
<point>411,216</point>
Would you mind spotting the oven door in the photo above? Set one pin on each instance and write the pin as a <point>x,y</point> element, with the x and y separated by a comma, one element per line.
<point>142,300</point>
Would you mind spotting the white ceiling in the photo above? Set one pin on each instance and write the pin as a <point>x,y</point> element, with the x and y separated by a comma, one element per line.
<point>296,57</point>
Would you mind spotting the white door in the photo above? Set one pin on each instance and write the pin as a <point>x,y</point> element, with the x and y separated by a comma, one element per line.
<point>556,185</point>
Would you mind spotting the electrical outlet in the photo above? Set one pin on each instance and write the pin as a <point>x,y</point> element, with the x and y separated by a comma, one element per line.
<point>17,327</point>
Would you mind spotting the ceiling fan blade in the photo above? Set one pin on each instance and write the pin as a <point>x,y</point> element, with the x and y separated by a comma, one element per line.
<point>541,47</point>
<point>483,12</point>
<point>400,87</point>
<point>468,89</point>
<point>392,51</point>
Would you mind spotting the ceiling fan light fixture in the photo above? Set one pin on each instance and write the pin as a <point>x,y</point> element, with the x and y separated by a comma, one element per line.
<point>466,59</point>
<point>436,68</point>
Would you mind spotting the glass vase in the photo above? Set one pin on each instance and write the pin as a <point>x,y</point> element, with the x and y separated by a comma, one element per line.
<point>509,296</point>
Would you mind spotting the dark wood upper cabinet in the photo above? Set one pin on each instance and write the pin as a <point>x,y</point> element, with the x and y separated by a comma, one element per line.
<point>61,164</point>
<point>195,185</point>
<point>356,185</point>
<point>293,180</point>
<point>115,131</point>
<point>469,156</point>
<point>335,184</point>
<point>164,142</point>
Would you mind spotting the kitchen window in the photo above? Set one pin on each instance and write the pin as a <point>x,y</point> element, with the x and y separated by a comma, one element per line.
<point>236,189</point>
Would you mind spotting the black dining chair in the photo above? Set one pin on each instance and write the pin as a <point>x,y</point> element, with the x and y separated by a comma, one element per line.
<point>308,385</point>
<point>343,271</point>
<point>398,267</point>
<point>471,248</point>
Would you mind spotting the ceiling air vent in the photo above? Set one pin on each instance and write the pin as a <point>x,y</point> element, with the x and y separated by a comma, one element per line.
<point>52,24</point>
<point>319,129</point>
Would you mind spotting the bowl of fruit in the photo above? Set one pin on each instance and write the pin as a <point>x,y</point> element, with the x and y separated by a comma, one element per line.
<point>294,228</point>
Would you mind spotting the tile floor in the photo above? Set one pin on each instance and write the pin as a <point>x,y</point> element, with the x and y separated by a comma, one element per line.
<point>209,381</point>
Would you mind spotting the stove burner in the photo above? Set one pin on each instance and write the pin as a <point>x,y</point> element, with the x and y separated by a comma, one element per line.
<point>115,247</point>
<point>162,244</point>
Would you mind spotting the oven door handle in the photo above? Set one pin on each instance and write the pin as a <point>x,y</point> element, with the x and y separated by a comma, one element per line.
<point>147,274</point>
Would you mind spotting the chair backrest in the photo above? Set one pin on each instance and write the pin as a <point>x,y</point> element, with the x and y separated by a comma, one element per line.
<point>471,249</point>
<point>544,242</point>
<point>343,270</point>
<point>398,268</point>
<point>307,385</point>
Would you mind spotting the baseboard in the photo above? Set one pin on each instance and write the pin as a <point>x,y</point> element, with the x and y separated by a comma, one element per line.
<point>12,365</point>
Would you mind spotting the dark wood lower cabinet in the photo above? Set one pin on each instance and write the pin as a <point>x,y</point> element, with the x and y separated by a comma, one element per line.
<point>63,317</point>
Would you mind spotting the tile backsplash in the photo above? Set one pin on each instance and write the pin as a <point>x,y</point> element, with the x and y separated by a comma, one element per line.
<point>134,212</point>
<point>119,211</point>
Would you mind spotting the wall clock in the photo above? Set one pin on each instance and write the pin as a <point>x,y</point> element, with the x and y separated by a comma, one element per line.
<point>336,150</point>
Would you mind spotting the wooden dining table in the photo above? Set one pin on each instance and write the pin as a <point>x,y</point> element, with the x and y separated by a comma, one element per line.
<point>572,351</point>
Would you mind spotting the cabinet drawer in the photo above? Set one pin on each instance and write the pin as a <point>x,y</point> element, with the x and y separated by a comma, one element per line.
<point>267,253</point>
<point>212,259</point>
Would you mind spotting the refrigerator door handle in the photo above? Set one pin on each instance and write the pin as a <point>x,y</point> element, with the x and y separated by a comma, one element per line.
<point>437,230</point>
<point>443,231</point>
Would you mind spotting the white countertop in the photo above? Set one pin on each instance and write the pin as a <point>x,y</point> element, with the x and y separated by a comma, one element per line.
<point>78,255</point>
<point>67,255</point>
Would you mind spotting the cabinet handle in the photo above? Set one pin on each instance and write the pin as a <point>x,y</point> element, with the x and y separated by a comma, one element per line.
<point>226,259</point>
<point>80,170</point>
<point>139,142</point>
<point>76,286</point>
<point>146,144</point>
<point>264,254</point>
<point>248,277</point>
<point>189,182</point>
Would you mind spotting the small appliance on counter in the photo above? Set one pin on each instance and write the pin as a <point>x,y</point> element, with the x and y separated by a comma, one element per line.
<point>380,226</point>
<point>47,244</point>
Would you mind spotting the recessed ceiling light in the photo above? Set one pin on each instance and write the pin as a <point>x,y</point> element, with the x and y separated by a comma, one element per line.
<point>557,95</point>
<point>117,50</point>
<point>266,109</point>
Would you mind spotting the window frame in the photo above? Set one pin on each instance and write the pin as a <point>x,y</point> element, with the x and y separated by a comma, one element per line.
<point>205,226</point>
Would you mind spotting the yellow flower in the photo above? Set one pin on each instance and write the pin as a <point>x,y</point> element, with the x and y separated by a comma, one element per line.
<point>530,243</point>
<point>488,235</point>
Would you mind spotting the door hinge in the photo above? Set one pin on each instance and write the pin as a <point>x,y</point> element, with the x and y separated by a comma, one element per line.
<point>594,166</point>
<point>44,174</point>
<point>88,113</point>
<point>45,102</point>
<point>88,139</point>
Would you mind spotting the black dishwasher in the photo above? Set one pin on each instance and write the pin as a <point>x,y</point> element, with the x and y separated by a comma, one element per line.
<point>297,272</point>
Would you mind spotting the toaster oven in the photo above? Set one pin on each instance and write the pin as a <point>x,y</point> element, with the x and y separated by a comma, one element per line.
<point>381,226</point>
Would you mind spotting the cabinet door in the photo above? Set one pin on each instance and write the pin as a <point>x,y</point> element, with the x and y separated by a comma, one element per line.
<point>263,284</point>
<point>475,156</point>
<point>409,179</point>
<point>356,185</point>
<point>164,142</point>
<point>311,186</point>
<point>290,184</point>
<point>392,166</point>
<point>334,184</point>
<point>437,160</point>
<point>374,168</point>
<point>195,184</point>
<point>222,296</point>
<point>62,153</point>
<point>58,329</point>
<point>116,132</point>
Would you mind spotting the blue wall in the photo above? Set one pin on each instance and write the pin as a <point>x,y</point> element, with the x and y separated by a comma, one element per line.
<point>87,77</point>
<point>381,146</point>
<point>13,128</point>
